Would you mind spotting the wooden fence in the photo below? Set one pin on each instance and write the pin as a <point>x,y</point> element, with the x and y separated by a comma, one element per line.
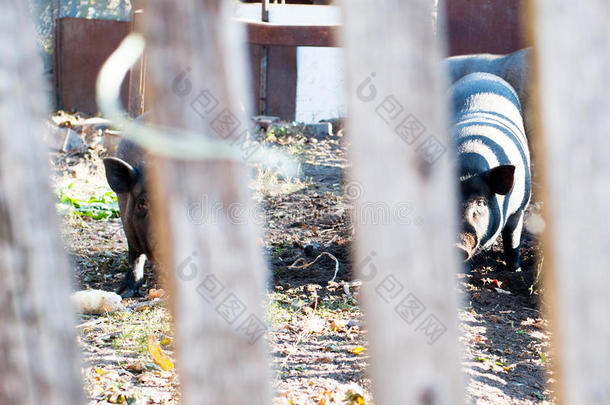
<point>39,359</point>
<point>396,93</point>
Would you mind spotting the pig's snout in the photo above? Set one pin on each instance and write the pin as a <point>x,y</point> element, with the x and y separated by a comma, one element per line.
<point>466,245</point>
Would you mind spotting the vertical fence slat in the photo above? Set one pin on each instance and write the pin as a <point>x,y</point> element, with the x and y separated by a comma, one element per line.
<point>197,80</point>
<point>573,46</point>
<point>137,75</point>
<point>405,211</point>
<point>38,354</point>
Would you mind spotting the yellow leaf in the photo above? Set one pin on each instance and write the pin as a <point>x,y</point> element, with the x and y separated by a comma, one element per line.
<point>160,358</point>
<point>325,395</point>
<point>353,398</point>
<point>357,350</point>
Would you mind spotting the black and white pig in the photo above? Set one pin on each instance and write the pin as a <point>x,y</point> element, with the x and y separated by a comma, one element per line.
<point>514,67</point>
<point>493,163</point>
<point>126,175</point>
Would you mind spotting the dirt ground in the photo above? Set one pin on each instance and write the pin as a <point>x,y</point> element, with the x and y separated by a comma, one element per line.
<point>317,330</point>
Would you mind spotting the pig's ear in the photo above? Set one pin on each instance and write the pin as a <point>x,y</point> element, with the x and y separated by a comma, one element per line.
<point>500,179</point>
<point>121,175</point>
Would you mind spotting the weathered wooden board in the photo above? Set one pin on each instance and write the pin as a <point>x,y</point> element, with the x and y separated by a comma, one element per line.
<point>197,78</point>
<point>405,213</point>
<point>137,74</point>
<point>573,47</point>
<point>38,354</point>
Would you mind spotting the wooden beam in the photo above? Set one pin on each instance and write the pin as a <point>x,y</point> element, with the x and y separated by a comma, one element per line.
<point>265,10</point>
<point>137,74</point>
<point>572,42</point>
<point>401,157</point>
<point>291,35</point>
<point>197,79</point>
<point>38,353</point>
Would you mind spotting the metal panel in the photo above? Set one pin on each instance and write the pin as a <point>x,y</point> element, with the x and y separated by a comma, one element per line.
<point>282,84</point>
<point>492,26</point>
<point>281,87</point>
<point>82,47</point>
<point>291,35</point>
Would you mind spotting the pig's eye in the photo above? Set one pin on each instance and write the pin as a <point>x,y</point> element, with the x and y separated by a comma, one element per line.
<point>142,205</point>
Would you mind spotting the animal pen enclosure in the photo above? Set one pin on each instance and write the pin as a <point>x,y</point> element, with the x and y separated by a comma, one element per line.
<point>397,124</point>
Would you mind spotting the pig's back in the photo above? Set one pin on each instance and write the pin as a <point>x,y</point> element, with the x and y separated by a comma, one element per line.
<point>513,67</point>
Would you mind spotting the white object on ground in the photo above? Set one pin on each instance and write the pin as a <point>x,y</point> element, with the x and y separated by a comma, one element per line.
<point>96,302</point>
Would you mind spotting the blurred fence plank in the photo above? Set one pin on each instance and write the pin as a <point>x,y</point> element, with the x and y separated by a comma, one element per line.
<point>197,78</point>
<point>405,212</point>
<point>137,74</point>
<point>573,46</point>
<point>38,354</point>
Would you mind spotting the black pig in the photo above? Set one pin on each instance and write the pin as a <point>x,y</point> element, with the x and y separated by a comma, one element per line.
<point>126,176</point>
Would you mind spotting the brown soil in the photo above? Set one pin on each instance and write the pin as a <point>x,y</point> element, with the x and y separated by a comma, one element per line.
<point>314,325</point>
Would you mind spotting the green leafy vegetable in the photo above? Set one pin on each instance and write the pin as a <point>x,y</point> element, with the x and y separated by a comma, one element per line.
<point>99,207</point>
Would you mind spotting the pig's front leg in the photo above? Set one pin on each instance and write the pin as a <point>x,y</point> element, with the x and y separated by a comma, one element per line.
<point>511,240</point>
<point>134,277</point>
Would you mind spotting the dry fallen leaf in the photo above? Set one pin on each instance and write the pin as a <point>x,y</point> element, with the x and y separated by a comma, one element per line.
<point>357,350</point>
<point>339,325</point>
<point>156,293</point>
<point>137,366</point>
<point>353,398</point>
<point>161,359</point>
<point>480,339</point>
<point>494,318</point>
<point>325,395</point>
